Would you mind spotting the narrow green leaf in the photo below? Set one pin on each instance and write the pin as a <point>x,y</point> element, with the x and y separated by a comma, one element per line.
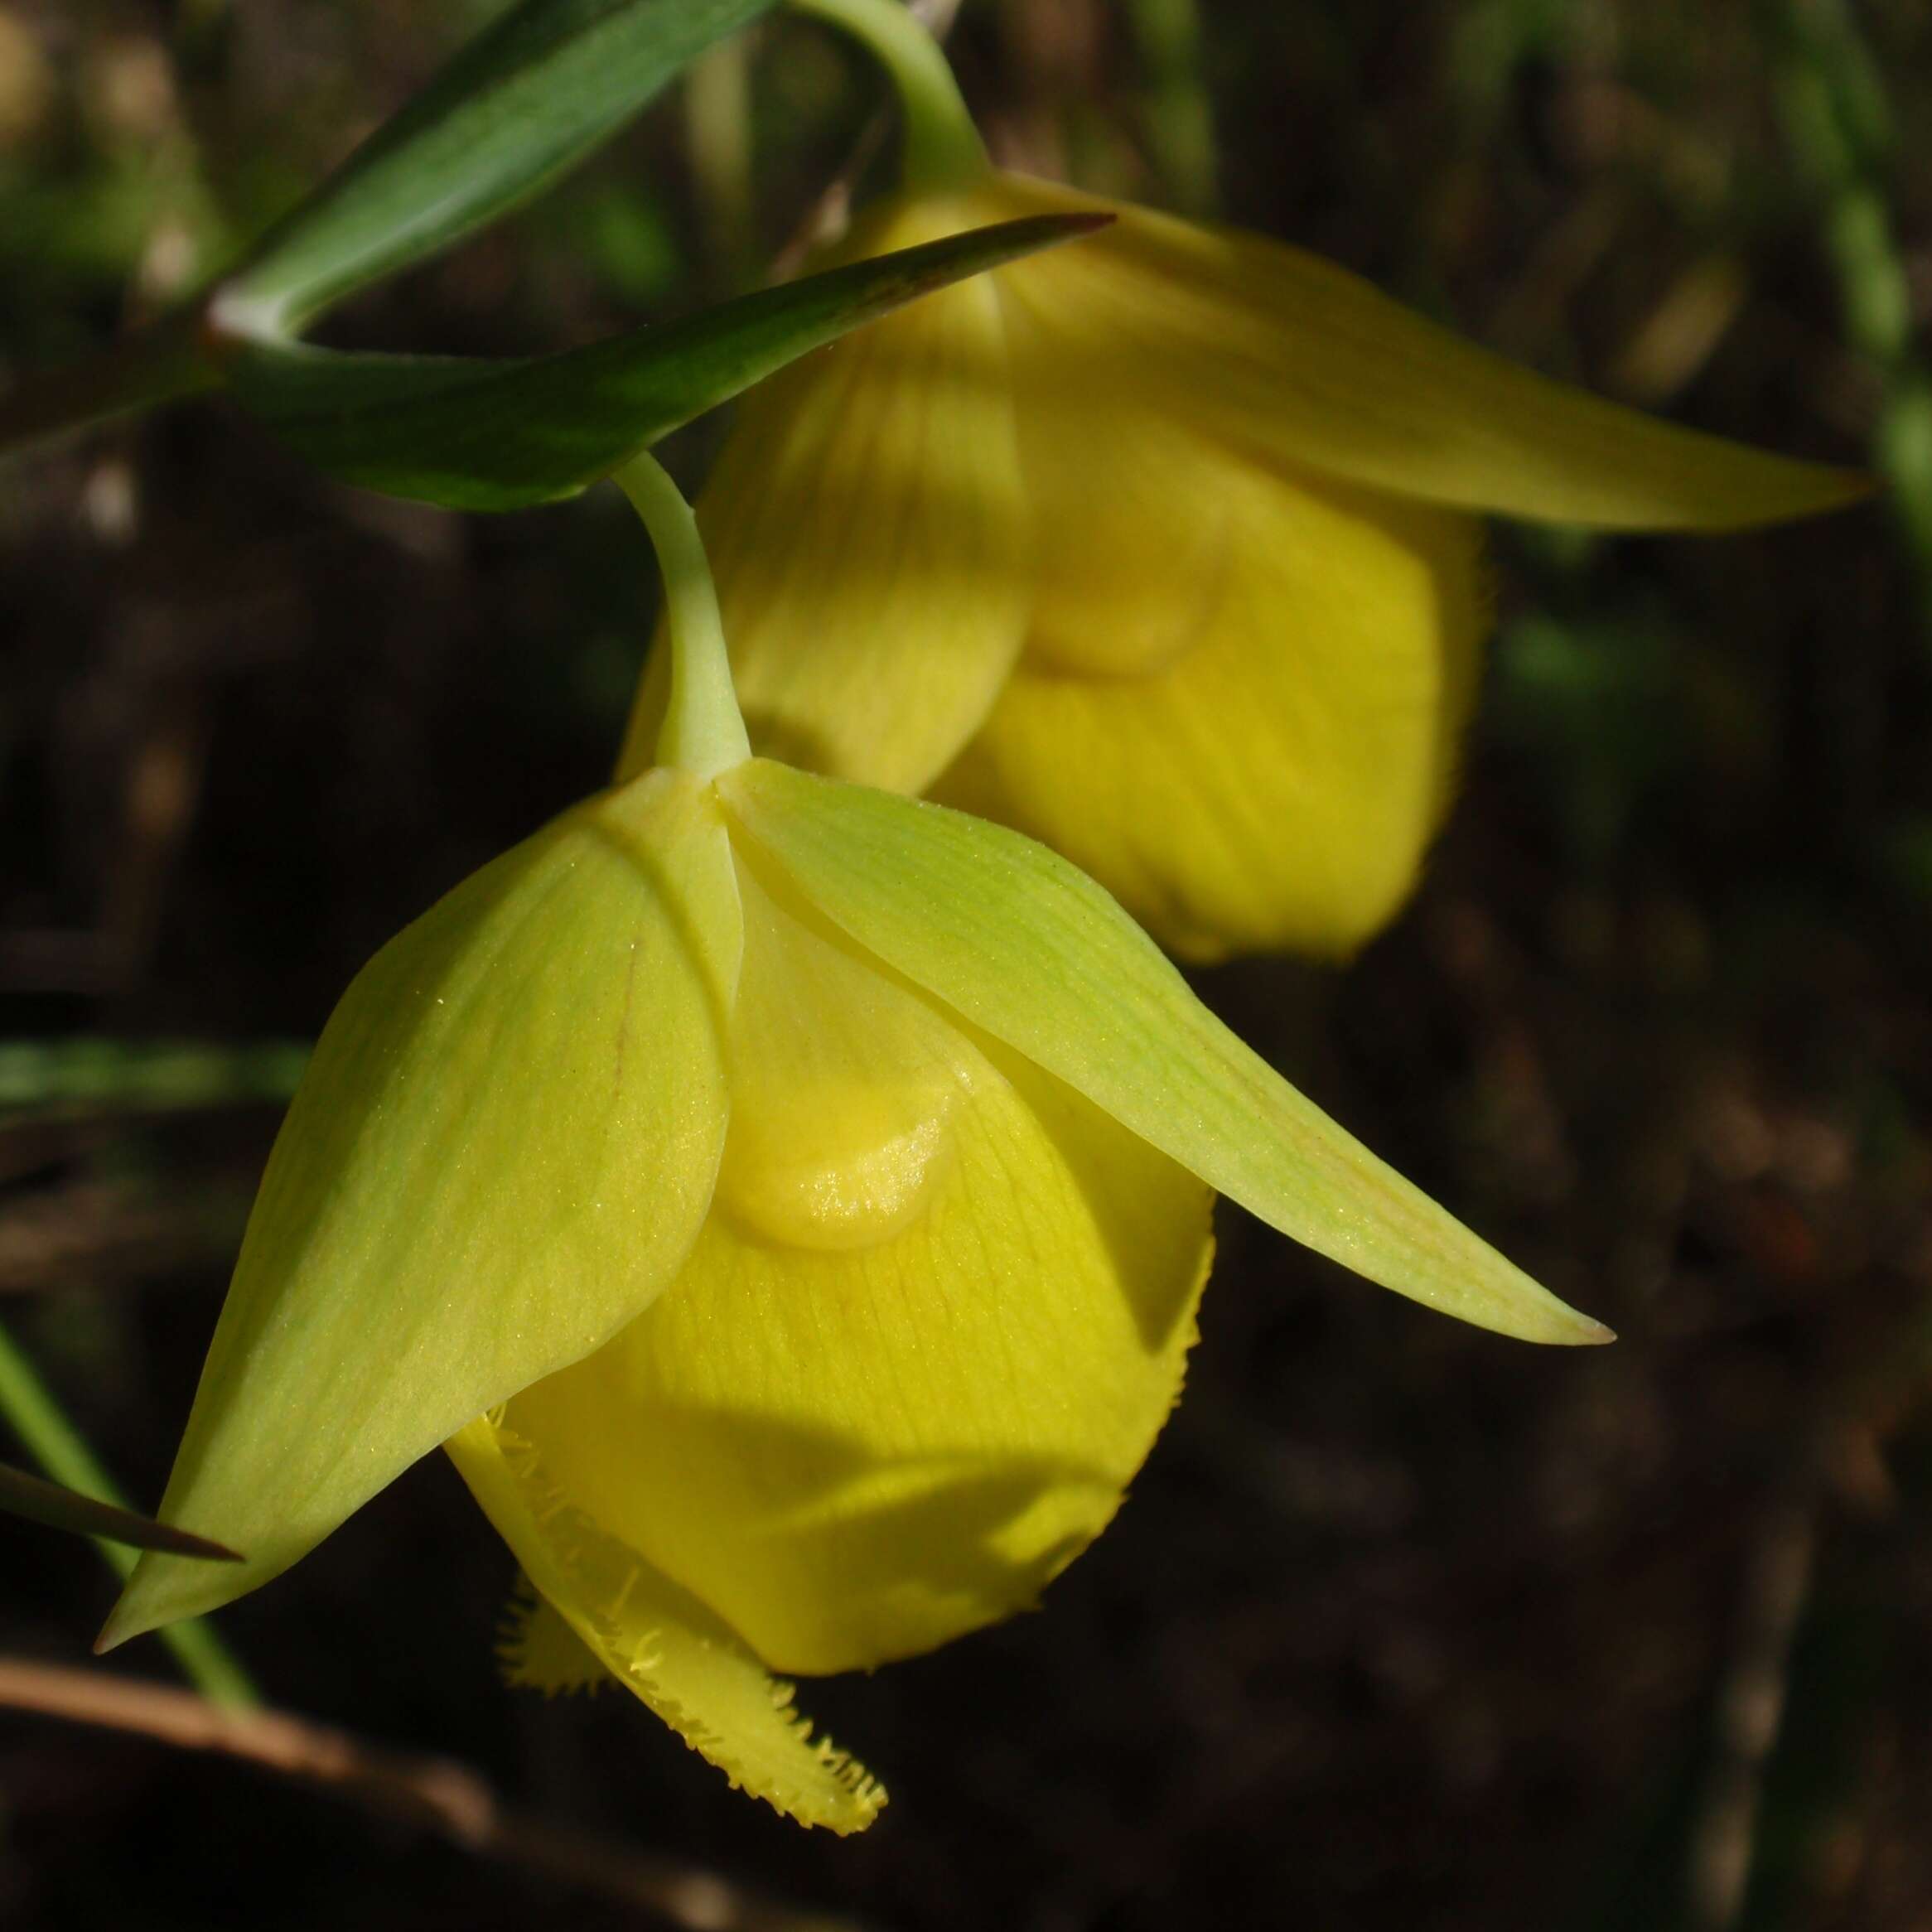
<point>46,1431</point>
<point>22,1495</point>
<point>529,98</point>
<point>92,1072</point>
<point>523,102</point>
<point>1029,948</point>
<point>475,434</point>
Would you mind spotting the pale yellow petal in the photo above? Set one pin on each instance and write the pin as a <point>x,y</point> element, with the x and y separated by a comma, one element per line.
<point>501,1152</point>
<point>1031,951</point>
<point>866,525</point>
<point>660,1642</point>
<point>1135,534</point>
<point>929,1334</point>
<point>1277,783</point>
<point>1280,352</point>
<point>539,1650</point>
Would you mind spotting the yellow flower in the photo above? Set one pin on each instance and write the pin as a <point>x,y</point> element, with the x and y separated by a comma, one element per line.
<point>789,1203</point>
<point>1164,547</point>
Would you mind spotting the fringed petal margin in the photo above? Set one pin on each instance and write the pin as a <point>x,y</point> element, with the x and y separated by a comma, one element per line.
<point>661,1643</point>
<point>539,1651</point>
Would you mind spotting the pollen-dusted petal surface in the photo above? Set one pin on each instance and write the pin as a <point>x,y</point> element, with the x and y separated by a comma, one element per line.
<point>1031,952</point>
<point>929,1334</point>
<point>1278,351</point>
<point>1277,784</point>
<point>869,536</point>
<point>500,1152</point>
<point>659,1641</point>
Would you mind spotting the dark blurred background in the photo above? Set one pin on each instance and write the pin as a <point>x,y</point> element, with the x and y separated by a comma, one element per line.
<point>1404,1625</point>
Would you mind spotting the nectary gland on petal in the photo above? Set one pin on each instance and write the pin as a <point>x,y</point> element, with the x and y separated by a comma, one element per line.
<point>844,1086</point>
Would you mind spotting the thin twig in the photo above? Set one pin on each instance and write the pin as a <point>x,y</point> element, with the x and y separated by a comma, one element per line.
<point>435,1794</point>
<point>1751,1704</point>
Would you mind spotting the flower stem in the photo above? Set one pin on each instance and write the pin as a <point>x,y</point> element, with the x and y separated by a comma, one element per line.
<point>943,147</point>
<point>703,730</point>
<point>60,1450</point>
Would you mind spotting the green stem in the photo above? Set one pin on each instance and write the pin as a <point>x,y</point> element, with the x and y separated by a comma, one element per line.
<point>943,147</point>
<point>703,730</point>
<point>62,1452</point>
<point>1838,120</point>
<point>1180,117</point>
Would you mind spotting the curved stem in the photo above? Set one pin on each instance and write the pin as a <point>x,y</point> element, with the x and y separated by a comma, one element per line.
<point>60,1450</point>
<point>703,731</point>
<point>943,147</point>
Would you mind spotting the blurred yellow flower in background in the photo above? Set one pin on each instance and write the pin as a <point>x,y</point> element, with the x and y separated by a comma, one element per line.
<point>1193,518</point>
<point>788,1202</point>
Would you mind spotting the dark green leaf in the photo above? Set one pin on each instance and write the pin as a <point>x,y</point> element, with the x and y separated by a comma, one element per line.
<point>22,1495</point>
<point>486,435</point>
<point>529,98</point>
<point>526,99</point>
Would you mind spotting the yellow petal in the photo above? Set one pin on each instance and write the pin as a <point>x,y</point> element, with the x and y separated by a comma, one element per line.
<point>1277,783</point>
<point>1280,352</point>
<point>1031,952</point>
<point>927,1334</point>
<point>866,526</point>
<point>539,1650</point>
<point>501,1152</point>
<point>1134,534</point>
<point>660,1642</point>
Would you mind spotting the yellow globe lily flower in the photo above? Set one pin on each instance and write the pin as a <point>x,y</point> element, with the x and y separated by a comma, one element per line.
<point>788,1203</point>
<point>1194,519</point>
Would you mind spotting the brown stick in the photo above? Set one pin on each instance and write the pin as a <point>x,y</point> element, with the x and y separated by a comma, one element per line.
<point>436,1793</point>
<point>1752,1703</point>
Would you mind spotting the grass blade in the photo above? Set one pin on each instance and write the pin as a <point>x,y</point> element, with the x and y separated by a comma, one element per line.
<point>46,1503</point>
